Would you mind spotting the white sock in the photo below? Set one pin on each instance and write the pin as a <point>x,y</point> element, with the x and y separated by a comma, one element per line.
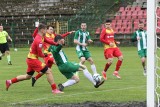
<point>69,83</point>
<point>8,58</point>
<point>93,67</point>
<point>89,76</point>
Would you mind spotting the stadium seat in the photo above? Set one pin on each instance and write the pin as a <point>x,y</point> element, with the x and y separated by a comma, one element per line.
<point>129,15</point>
<point>140,14</point>
<point>134,15</point>
<point>145,13</point>
<point>133,8</point>
<point>138,8</point>
<point>121,9</point>
<point>124,25</point>
<point>127,31</point>
<point>123,15</point>
<point>117,17</point>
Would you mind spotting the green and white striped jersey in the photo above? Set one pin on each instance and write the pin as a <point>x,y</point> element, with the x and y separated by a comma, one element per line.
<point>58,54</point>
<point>142,43</point>
<point>82,37</point>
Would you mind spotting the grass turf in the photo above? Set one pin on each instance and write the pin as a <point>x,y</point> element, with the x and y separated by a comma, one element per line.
<point>132,86</point>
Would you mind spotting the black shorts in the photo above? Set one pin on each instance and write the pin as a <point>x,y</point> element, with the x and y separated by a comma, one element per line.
<point>4,47</point>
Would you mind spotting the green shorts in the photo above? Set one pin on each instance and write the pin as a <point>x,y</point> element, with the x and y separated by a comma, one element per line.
<point>83,53</point>
<point>69,69</point>
<point>142,53</point>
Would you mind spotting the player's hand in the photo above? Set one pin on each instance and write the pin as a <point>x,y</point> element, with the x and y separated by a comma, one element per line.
<point>111,44</point>
<point>138,38</point>
<point>90,41</point>
<point>71,32</point>
<point>84,44</point>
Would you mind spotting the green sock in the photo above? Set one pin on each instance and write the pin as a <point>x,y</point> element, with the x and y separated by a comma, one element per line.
<point>8,58</point>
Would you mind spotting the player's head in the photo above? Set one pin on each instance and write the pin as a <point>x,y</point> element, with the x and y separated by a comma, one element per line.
<point>50,29</point>
<point>42,28</point>
<point>59,39</point>
<point>108,23</point>
<point>141,25</point>
<point>83,26</point>
<point>1,28</point>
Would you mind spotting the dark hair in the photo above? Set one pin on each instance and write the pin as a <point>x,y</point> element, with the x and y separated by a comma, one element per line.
<point>108,21</point>
<point>42,26</point>
<point>50,26</point>
<point>58,37</point>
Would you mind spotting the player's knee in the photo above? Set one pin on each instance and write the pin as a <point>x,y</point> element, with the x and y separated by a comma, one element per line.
<point>77,80</point>
<point>120,58</point>
<point>91,61</point>
<point>110,60</point>
<point>83,60</point>
<point>28,77</point>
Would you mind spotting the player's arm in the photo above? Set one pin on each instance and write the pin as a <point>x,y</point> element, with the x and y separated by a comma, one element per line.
<point>89,38</point>
<point>49,41</point>
<point>68,33</point>
<point>35,32</point>
<point>134,37</point>
<point>76,40</point>
<point>8,37</point>
<point>102,37</point>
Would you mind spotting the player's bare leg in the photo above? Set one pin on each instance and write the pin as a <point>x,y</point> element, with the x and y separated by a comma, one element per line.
<point>118,65</point>
<point>143,60</point>
<point>109,62</point>
<point>17,79</point>
<point>93,67</point>
<point>51,81</point>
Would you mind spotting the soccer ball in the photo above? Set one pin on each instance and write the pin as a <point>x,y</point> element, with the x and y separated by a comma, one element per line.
<point>15,49</point>
<point>97,77</point>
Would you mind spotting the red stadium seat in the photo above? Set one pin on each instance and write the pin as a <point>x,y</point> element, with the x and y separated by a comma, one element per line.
<point>134,15</point>
<point>121,31</point>
<point>117,17</point>
<point>133,9</point>
<point>140,14</point>
<point>138,8</point>
<point>127,31</point>
<point>129,15</point>
<point>124,25</point>
<point>121,9</point>
<point>128,8</point>
<point>123,15</point>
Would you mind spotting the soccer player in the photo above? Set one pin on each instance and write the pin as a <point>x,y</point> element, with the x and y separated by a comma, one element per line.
<point>110,49</point>
<point>34,64</point>
<point>49,60</point>
<point>80,38</point>
<point>67,68</point>
<point>140,36</point>
<point>4,48</point>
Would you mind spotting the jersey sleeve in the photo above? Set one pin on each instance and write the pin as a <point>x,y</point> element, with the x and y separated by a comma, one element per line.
<point>102,37</point>
<point>88,37</point>
<point>134,37</point>
<point>49,41</point>
<point>76,35</point>
<point>6,34</point>
<point>35,32</point>
<point>66,34</point>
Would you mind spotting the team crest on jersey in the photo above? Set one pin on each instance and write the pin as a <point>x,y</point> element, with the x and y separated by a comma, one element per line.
<point>40,45</point>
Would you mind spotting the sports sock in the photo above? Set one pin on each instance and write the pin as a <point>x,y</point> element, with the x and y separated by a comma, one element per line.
<point>8,58</point>
<point>69,83</point>
<point>53,86</point>
<point>38,76</point>
<point>106,66</point>
<point>88,76</point>
<point>93,67</point>
<point>143,64</point>
<point>118,65</point>
<point>13,80</point>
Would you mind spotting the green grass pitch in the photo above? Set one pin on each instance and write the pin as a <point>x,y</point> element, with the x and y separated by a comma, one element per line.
<point>132,86</point>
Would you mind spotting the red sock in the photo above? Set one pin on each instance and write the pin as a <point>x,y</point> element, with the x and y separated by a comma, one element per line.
<point>38,76</point>
<point>53,86</point>
<point>118,65</point>
<point>106,67</point>
<point>14,80</point>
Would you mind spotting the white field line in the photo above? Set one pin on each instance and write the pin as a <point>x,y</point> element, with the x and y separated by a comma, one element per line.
<point>70,95</point>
